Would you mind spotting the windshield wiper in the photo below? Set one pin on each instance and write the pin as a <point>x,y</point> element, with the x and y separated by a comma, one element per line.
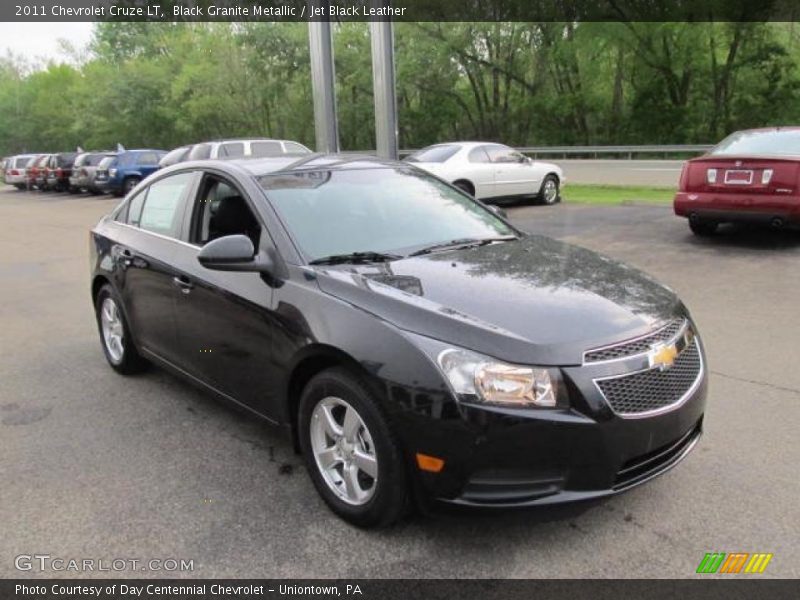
<point>462,243</point>
<point>355,257</point>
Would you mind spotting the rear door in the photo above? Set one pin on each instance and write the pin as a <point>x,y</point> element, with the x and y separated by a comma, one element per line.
<point>481,172</point>
<point>225,320</point>
<point>151,226</point>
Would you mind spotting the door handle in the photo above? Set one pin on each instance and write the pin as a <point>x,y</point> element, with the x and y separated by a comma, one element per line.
<point>125,256</point>
<point>183,283</point>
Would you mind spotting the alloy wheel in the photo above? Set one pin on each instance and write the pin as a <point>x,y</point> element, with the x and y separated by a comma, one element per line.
<point>344,451</point>
<point>550,191</point>
<point>113,331</point>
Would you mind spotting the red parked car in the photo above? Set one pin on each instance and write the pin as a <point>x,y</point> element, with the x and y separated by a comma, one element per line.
<point>36,171</point>
<point>751,176</point>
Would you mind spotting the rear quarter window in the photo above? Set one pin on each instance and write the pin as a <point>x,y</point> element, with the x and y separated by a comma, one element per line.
<point>295,148</point>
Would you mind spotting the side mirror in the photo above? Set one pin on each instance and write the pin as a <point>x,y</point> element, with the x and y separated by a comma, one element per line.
<point>233,253</point>
<point>498,211</point>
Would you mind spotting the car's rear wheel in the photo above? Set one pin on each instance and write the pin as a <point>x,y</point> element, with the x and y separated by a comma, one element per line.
<point>130,183</point>
<point>465,186</point>
<point>115,335</point>
<point>20,186</point>
<point>703,228</point>
<point>350,450</point>
<point>549,192</point>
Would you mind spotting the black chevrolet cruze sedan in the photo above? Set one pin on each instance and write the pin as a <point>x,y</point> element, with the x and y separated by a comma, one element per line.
<point>414,343</point>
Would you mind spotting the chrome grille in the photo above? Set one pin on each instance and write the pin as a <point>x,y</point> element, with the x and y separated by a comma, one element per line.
<point>654,390</point>
<point>635,346</point>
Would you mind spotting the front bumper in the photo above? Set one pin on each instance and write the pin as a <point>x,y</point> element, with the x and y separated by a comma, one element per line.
<point>739,207</point>
<point>497,457</point>
<point>107,185</point>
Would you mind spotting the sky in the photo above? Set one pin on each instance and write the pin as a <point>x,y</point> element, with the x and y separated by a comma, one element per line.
<point>40,40</point>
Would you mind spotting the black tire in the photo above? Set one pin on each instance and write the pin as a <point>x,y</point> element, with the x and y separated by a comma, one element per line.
<point>389,499</point>
<point>129,184</point>
<point>703,228</point>
<point>20,186</point>
<point>130,361</point>
<point>465,186</point>
<point>545,195</point>
<point>74,189</point>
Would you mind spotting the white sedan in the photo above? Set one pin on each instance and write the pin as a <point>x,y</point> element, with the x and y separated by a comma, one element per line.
<point>491,171</point>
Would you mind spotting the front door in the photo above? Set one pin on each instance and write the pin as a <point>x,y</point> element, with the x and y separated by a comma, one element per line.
<point>225,319</point>
<point>513,174</point>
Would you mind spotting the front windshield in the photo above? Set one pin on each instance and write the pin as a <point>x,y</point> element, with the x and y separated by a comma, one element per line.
<point>106,162</point>
<point>761,143</point>
<point>390,210</point>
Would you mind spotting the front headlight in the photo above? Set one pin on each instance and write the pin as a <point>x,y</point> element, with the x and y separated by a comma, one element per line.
<point>496,382</point>
<point>112,173</point>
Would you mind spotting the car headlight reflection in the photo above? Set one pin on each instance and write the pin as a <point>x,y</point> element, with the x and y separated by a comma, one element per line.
<point>496,382</point>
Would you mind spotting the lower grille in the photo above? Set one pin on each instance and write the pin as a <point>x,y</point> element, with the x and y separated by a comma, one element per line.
<point>654,390</point>
<point>510,486</point>
<point>647,465</point>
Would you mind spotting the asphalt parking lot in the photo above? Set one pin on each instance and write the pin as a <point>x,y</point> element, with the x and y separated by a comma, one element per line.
<point>94,465</point>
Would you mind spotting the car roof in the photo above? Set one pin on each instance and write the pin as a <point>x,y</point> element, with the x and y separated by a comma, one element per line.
<point>291,163</point>
<point>313,162</point>
<point>466,145</point>
<point>245,139</point>
<point>766,129</point>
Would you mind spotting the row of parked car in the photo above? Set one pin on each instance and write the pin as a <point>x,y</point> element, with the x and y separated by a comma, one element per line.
<point>117,172</point>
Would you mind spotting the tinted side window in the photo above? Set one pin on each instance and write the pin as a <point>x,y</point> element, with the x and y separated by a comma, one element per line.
<point>232,149</point>
<point>148,159</point>
<point>163,206</point>
<point>200,152</point>
<point>260,149</point>
<point>478,155</point>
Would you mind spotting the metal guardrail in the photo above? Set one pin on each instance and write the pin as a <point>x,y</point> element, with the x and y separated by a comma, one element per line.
<point>597,151</point>
<point>628,151</point>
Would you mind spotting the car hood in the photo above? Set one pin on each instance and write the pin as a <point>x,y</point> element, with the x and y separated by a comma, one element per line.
<point>532,301</point>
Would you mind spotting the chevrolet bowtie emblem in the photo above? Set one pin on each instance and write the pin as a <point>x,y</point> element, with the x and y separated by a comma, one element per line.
<point>662,356</point>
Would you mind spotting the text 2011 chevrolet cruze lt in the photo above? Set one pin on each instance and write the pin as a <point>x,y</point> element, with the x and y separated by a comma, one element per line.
<point>416,345</point>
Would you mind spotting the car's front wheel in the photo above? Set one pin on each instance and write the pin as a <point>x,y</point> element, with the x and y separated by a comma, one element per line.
<point>549,192</point>
<point>115,335</point>
<point>350,450</point>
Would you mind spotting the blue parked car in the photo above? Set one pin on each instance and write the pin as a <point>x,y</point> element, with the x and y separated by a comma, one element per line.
<point>118,174</point>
